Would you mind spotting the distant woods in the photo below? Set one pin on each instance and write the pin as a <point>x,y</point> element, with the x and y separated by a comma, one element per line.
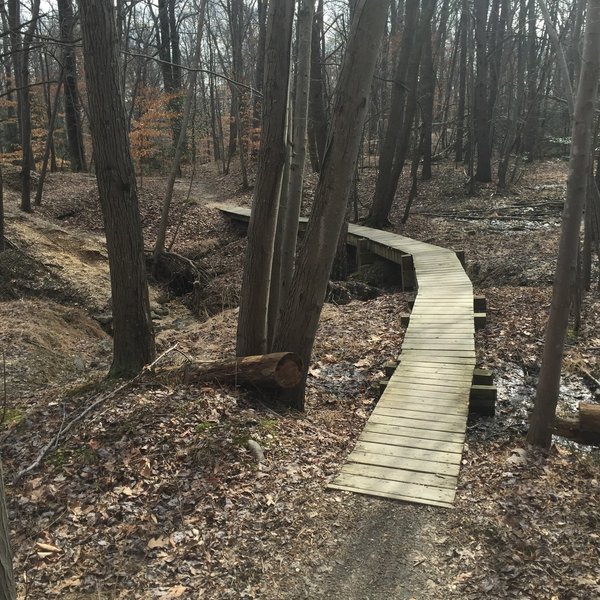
<point>482,82</point>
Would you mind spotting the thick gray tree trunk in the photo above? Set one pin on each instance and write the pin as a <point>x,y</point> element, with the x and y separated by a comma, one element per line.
<point>133,335</point>
<point>547,391</point>
<point>309,284</point>
<point>254,298</point>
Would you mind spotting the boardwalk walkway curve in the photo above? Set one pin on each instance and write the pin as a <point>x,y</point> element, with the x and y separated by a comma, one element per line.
<point>411,446</point>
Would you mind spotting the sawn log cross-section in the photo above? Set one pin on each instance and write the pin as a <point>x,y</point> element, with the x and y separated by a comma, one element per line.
<point>411,446</point>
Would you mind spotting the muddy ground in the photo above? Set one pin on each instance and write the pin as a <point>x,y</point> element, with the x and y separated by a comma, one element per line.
<point>154,494</point>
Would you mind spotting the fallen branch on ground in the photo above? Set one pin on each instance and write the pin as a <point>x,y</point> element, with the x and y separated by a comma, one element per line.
<point>101,400</point>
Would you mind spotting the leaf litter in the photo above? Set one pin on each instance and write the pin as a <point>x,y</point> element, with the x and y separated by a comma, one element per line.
<point>156,494</point>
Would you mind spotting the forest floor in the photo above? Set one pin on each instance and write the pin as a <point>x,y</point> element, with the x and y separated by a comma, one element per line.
<point>153,494</point>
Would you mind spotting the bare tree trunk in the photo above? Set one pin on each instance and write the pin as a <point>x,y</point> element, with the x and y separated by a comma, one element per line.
<point>547,391</point>
<point>254,298</point>
<point>483,171</point>
<point>21,45</point>
<point>2,243</point>
<point>318,117</point>
<point>427,89</point>
<point>11,127</point>
<point>293,200</point>
<point>462,83</point>
<point>72,101</point>
<point>49,137</point>
<point>259,72</point>
<point>307,292</point>
<point>531,122</point>
<point>382,204</point>
<point>7,578</point>
<point>133,338</point>
<point>515,88</point>
<point>560,55</point>
<point>384,189</point>
<point>159,246</point>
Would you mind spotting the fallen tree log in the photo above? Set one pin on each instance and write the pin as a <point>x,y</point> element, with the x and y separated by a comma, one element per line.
<point>281,369</point>
<point>584,428</point>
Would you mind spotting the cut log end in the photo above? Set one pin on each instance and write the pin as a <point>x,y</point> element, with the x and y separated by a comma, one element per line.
<point>288,372</point>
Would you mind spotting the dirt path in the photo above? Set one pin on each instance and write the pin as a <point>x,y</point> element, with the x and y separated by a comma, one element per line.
<point>386,550</point>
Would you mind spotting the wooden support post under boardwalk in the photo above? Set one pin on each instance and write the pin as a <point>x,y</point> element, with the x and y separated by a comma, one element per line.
<point>389,367</point>
<point>407,268</point>
<point>460,254</point>
<point>364,256</point>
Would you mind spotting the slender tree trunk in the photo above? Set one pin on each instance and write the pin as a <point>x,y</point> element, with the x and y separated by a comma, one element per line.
<point>317,114</point>
<point>254,298</point>
<point>21,45</point>
<point>382,203</point>
<point>462,83</point>
<point>531,122</point>
<point>546,397</point>
<point>133,338</point>
<point>7,578</point>
<point>291,203</point>
<point>515,88</point>
<point>72,101</point>
<point>11,127</point>
<point>2,242</point>
<point>427,90</point>
<point>159,246</point>
<point>259,73</point>
<point>560,56</point>
<point>483,171</point>
<point>380,209</point>
<point>307,292</point>
<point>49,137</point>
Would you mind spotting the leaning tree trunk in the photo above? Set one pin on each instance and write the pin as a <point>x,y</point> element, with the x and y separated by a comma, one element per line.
<point>546,397</point>
<point>132,323</point>
<point>307,292</point>
<point>252,329</point>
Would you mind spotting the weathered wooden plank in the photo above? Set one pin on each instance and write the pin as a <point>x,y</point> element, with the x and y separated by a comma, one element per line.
<point>413,418</point>
<point>452,458</point>
<point>394,428</point>
<point>410,464</point>
<point>400,380</point>
<point>400,474</point>
<point>441,358</point>
<point>440,380</point>
<point>394,489</point>
<point>444,411</point>
<point>450,448</point>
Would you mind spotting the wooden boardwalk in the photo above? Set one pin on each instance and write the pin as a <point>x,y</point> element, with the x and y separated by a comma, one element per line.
<point>411,446</point>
